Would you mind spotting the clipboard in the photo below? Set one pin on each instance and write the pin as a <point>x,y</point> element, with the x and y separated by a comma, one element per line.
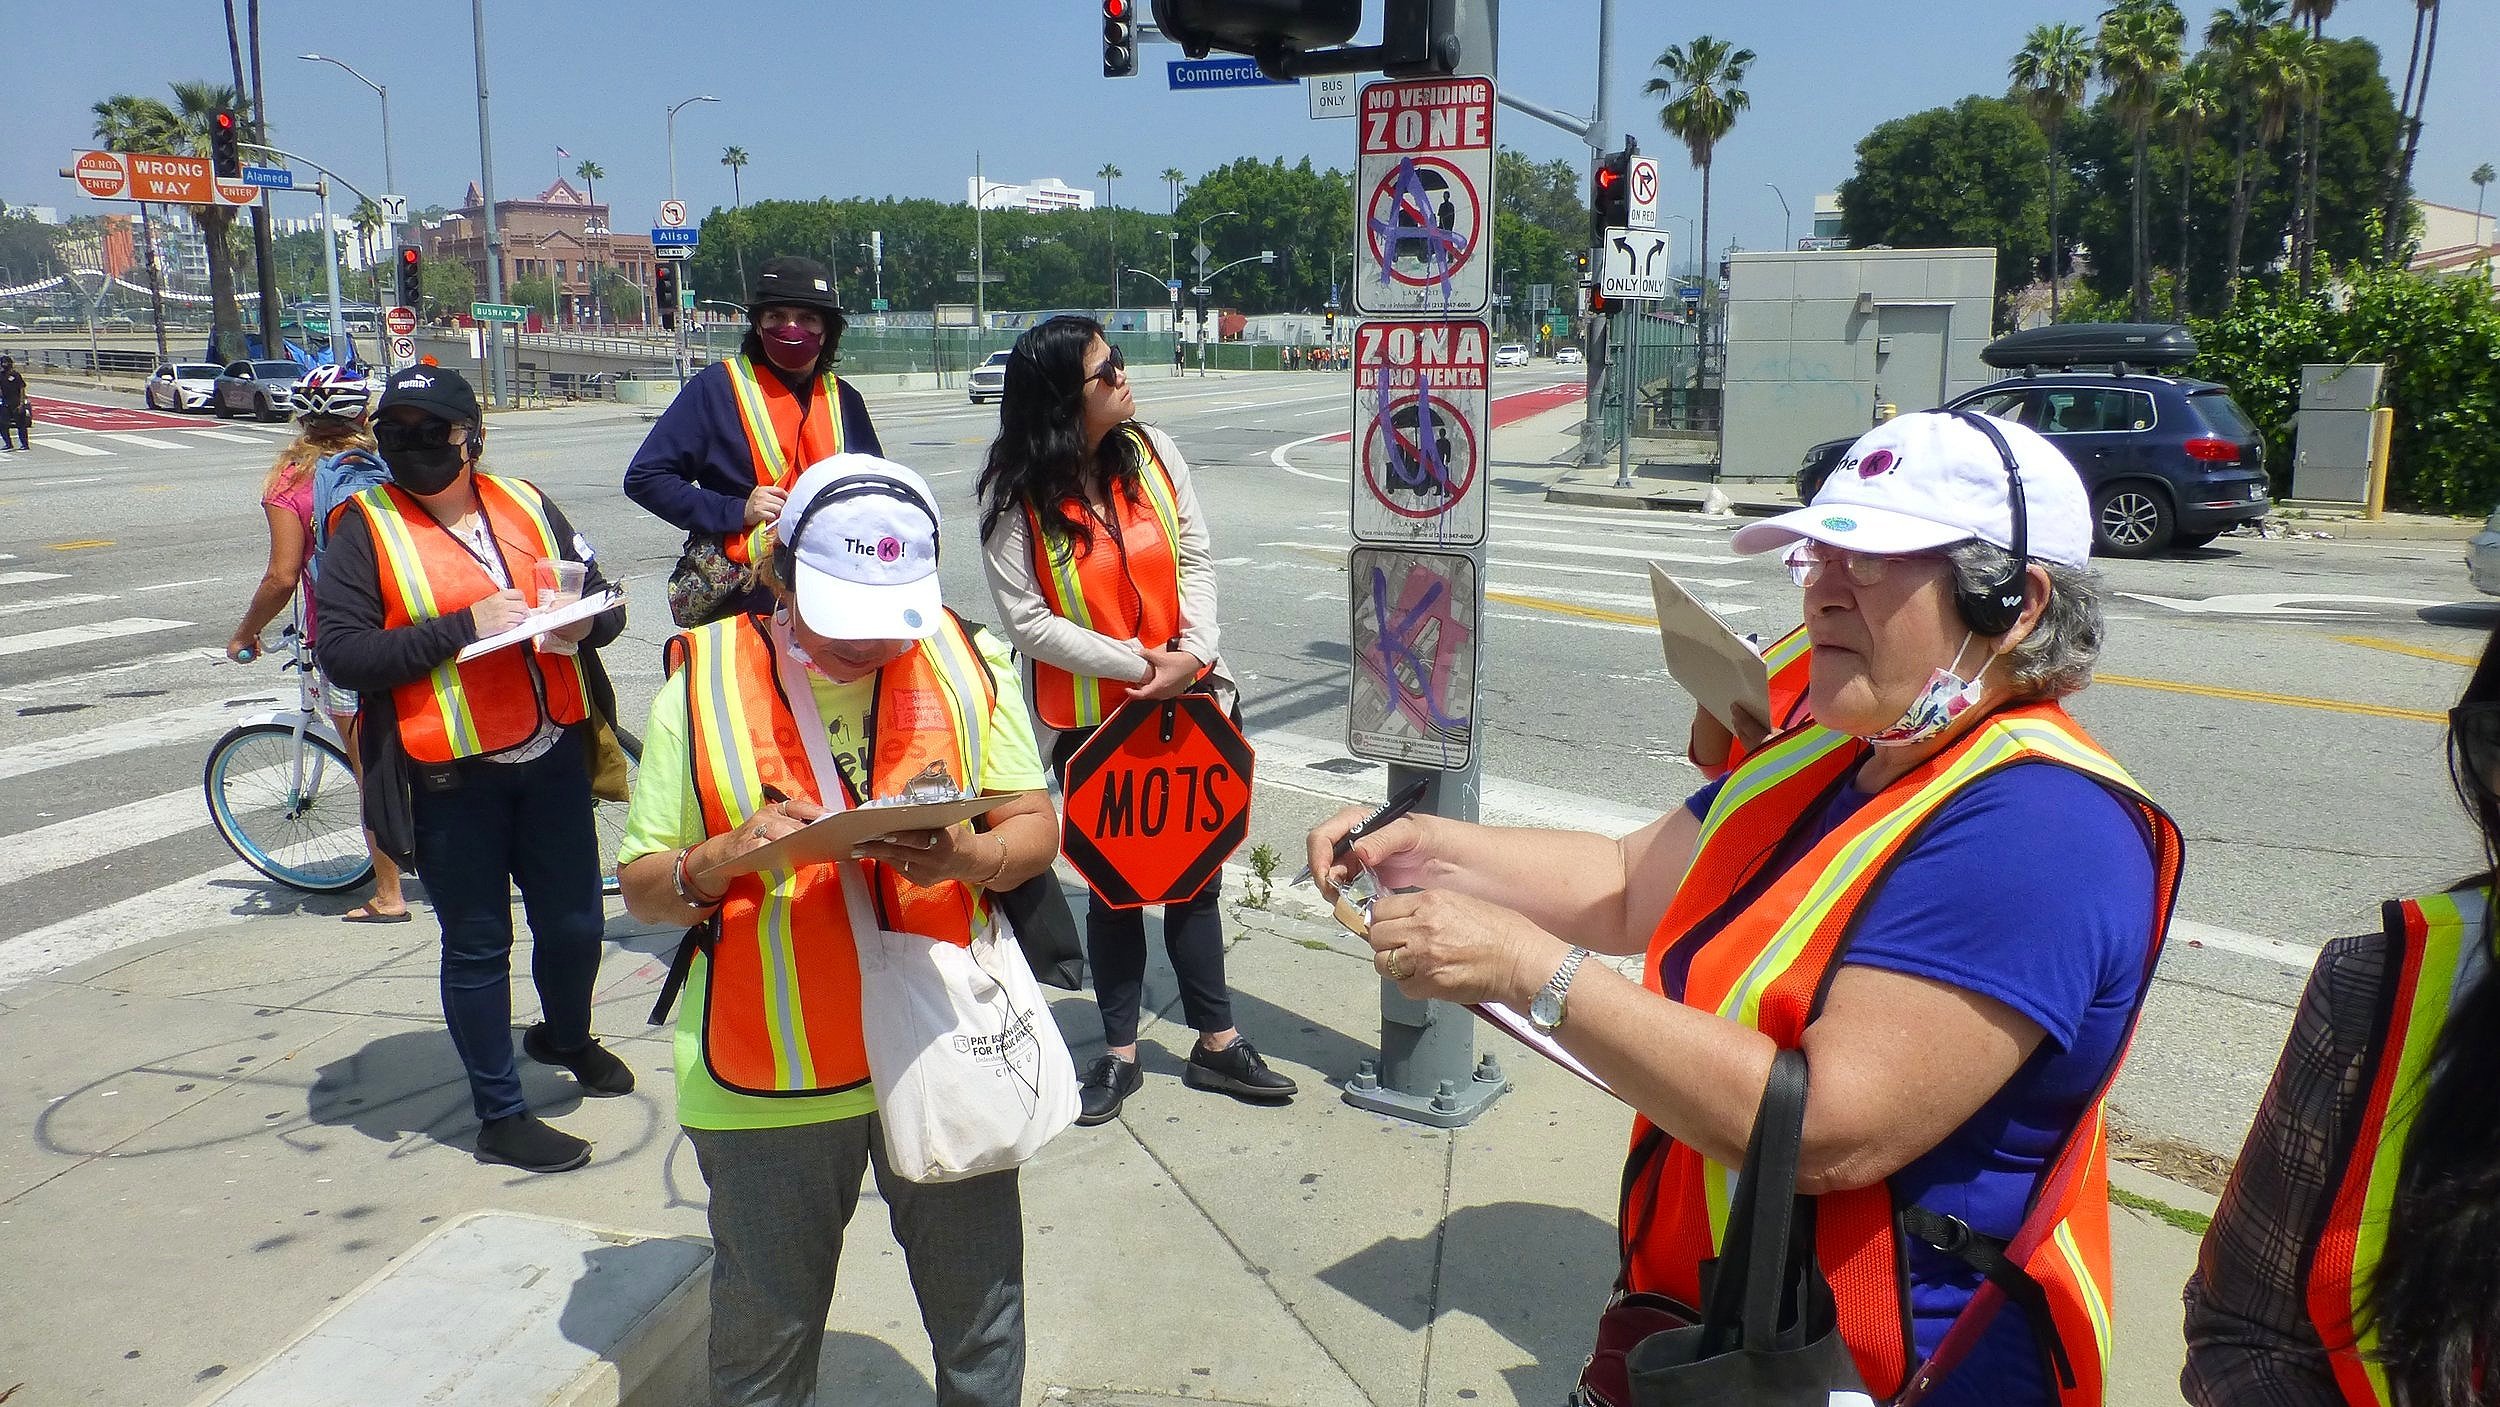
<point>1711,662</point>
<point>835,836</point>
<point>538,623</point>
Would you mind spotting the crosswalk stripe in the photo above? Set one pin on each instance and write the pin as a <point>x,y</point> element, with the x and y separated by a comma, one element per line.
<point>226,435</point>
<point>74,447</point>
<point>86,634</point>
<point>76,686</point>
<point>30,578</point>
<point>93,836</point>
<point>1657,522</point>
<point>142,442</point>
<point>219,896</point>
<point>54,603</point>
<point>156,730</point>
<point>1627,553</point>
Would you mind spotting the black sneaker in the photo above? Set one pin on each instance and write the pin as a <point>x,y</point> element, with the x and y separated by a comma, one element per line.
<point>1237,1069</point>
<point>1106,1084</point>
<point>531,1144</point>
<point>598,1071</point>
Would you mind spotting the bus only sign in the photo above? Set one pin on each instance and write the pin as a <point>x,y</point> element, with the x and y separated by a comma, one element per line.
<point>1157,800</point>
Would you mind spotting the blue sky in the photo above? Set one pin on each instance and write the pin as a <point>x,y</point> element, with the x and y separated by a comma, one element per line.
<point>848,97</point>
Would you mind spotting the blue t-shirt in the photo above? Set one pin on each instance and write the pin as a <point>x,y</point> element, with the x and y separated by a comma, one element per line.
<point>2034,885</point>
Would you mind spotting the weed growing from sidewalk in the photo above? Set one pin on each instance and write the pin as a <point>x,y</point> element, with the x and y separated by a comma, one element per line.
<point>1263,863</point>
<point>2193,1223</point>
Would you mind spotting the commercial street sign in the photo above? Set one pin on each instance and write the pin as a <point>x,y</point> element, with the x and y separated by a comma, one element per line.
<point>1644,193</point>
<point>1421,406</point>
<point>1233,72</point>
<point>1636,264</point>
<point>1424,197</point>
<point>1156,799</point>
<point>1413,634</point>
<point>675,236</point>
<point>155,178</point>
<point>498,312</point>
<point>269,178</point>
<point>1332,94</point>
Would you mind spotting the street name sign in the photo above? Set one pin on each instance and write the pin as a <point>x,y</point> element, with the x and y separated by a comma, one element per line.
<point>1157,798</point>
<point>1187,74</point>
<point>1332,94</point>
<point>675,236</point>
<point>1644,193</point>
<point>1414,638</point>
<point>1421,407</point>
<point>1636,264</point>
<point>400,322</point>
<point>672,251</point>
<point>498,312</point>
<point>1423,195</point>
<point>269,178</point>
<point>156,178</point>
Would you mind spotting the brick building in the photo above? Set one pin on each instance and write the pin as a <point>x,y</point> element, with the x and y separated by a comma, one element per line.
<point>559,234</point>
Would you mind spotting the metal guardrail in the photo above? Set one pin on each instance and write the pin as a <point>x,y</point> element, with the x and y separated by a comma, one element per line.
<point>90,361</point>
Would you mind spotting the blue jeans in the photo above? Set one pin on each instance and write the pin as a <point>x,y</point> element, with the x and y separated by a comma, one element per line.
<point>525,823</point>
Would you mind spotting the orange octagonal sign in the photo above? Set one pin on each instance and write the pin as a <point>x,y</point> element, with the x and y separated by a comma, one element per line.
<point>1156,801</point>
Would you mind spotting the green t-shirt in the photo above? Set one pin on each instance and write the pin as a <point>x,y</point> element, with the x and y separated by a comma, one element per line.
<point>667,816</point>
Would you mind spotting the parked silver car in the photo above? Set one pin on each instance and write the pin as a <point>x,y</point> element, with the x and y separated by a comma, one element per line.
<point>989,379</point>
<point>183,386</point>
<point>2482,556</point>
<point>263,389</point>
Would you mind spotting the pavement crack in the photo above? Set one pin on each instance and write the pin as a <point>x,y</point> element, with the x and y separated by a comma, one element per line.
<point>2304,849</point>
<point>1440,1252</point>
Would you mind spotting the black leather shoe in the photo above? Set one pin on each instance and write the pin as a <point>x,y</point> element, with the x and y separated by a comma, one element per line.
<point>598,1071</point>
<point>1237,1069</point>
<point>526,1142</point>
<point>1107,1083</point>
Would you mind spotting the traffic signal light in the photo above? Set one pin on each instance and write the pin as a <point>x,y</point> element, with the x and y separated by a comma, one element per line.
<point>1119,39</point>
<point>1259,28</point>
<point>225,155</point>
<point>664,291</point>
<point>1610,193</point>
<point>1328,324</point>
<point>1419,38</point>
<point>411,275</point>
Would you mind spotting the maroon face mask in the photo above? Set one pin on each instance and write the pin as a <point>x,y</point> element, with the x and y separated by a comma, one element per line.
<point>792,347</point>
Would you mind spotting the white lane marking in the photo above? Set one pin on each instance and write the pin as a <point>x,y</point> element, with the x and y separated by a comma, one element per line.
<point>1662,522</point>
<point>226,435</point>
<point>218,896</point>
<point>86,634</point>
<point>1323,410</point>
<point>171,585</point>
<point>156,730</point>
<point>142,442</point>
<point>74,447</point>
<point>1289,760</point>
<point>2291,955</point>
<point>62,483</point>
<point>30,578</point>
<point>1281,458</point>
<point>1707,583</point>
<point>54,603</point>
<point>75,685</point>
<point>91,837</point>
<point>1639,555</point>
<point>2284,603</point>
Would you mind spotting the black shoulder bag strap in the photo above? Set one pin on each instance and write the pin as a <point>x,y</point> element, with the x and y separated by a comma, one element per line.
<point>1756,1259</point>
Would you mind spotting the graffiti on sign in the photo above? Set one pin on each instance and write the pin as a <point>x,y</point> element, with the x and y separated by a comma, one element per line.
<point>1424,196</point>
<point>1413,631</point>
<point>1421,396</point>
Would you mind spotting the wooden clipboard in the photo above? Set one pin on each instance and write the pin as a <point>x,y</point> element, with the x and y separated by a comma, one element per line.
<point>835,836</point>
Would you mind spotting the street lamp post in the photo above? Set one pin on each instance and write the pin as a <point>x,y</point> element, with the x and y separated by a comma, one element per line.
<point>486,199</point>
<point>1785,242</point>
<point>677,352</point>
<point>981,188</point>
<point>1199,253</point>
<point>390,180</point>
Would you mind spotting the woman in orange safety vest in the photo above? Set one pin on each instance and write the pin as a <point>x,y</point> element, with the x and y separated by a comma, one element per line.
<point>2355,1259</point>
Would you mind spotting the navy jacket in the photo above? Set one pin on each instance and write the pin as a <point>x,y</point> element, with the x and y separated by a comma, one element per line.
<point>694,469</point>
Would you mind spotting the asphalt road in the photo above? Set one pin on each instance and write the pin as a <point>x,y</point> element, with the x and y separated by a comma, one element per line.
<point>2283,698</point>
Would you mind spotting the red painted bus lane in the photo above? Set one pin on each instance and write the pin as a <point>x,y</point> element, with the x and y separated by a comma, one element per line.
<point>80,415</point>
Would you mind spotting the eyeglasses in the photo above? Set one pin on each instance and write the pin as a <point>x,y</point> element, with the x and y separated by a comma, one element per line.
<point>1807,560</point>
<point>1109,372</point>
<point>429,433</point>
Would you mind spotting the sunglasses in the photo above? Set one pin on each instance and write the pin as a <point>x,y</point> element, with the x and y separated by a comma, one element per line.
<point>1109,372</point>
<point>1807,561</point>
<point>2475,727</point>
<point>429,433</point>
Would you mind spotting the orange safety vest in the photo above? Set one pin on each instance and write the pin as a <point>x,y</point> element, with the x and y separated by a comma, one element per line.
<point>1790,661</point>
<point>1125,583</point>
<point>1767,968</point>
<point>783,437</point>
<point>781,1004</point>
<point>487,704</point>
<point>2442,949</point>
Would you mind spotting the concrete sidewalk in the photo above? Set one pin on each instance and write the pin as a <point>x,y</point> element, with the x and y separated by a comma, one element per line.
<point>208,1140</point>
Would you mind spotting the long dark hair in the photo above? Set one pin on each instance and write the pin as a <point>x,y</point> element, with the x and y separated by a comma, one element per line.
<point>2436,1297</point>
<point>1040,459</point>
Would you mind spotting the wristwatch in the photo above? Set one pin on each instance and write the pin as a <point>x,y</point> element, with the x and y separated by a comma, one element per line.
<point>1546,1012</point>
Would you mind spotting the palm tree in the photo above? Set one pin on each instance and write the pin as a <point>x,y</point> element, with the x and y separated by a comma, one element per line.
<point>2409,125</point>
<point>196,102</point>
<point>592,173</point>
<point>127,123</point>
<point>1173,179</point>
<point>735,158</point>
<point>2192,103</point>
<point>2314,14</point>
<point>2482,177</point>
<point>1699,104</point>
<point>2292,79</point>
<point>1108,174</point>
<point>367,220</point>
<point>2236,34</point>
<point>2049,74</point>
<point>2138,51</point>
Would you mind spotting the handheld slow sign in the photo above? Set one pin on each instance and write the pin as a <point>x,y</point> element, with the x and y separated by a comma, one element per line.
<point>1156,800</point>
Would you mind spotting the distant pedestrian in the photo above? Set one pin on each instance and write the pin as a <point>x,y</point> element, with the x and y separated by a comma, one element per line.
<point>487,756</point>
<point>16,412</point>
<point>1099,560</point>
<point>720,460</point>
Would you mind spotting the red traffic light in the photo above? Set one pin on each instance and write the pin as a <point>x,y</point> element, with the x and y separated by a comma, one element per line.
<point>225,121</point>
<point>409,257</point>
<point>1115,9</point>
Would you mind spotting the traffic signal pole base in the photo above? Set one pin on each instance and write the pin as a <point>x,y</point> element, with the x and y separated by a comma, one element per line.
<point>1427,1072</point>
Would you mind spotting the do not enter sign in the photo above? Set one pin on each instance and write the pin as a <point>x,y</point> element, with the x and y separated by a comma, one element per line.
<point>1156,801</point>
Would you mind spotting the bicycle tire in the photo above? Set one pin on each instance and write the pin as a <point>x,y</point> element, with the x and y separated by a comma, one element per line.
<point>609,816</point>
<point>313,839</point>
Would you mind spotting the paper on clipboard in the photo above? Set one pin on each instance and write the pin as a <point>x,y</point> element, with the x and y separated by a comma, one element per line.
<point>836,835</point>
<point>538,623</point>
<point>1712,662</point>
<point>1516,1025</point>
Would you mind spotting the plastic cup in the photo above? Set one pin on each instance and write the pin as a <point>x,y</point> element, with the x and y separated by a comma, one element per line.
<point>559,581</point>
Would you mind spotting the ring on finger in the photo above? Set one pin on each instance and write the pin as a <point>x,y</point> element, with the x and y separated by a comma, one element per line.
<point>1395,964</point>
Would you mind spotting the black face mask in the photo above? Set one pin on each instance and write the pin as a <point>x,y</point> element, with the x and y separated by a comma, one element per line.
<point>422,459</point>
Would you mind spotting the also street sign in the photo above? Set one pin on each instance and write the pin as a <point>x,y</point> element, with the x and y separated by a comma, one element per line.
<point>394,208</point>
<point>155,178</point>
<point>403,350</point>
<point>675,236</point>
<point>1424,197</point>
<point>498,312</point>
<point>672,251</point>
<point>1420,409</point>
<point>1156,800</point>
<point>273,178</point>
<point>1636,264</point>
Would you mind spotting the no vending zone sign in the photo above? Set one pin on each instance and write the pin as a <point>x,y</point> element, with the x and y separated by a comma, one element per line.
<point>1421,399</point>
<point>1424,197</point>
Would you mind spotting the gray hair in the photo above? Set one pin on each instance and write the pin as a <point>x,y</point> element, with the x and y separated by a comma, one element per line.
<point>2056,659</point>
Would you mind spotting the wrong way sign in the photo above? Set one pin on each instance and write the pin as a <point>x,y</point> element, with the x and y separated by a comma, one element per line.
<point>1156,800</point>
<point>1421,401</point>
<point>1423,195</point>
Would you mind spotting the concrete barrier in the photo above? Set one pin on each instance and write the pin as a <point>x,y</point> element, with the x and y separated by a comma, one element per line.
<point>500,1309</point>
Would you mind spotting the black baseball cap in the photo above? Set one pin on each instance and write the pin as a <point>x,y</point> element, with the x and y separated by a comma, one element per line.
<point>794,280</point>
<point>436,390</point>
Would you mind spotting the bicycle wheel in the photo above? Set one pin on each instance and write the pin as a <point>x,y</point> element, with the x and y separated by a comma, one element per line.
<point>289,807</point>
<point>610,815</point>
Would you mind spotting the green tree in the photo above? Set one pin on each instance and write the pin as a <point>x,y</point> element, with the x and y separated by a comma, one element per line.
<point>735,158</point>
<point>127,123</point>
<point>2234,37</point>
<point>620,296</point>
<point>2481,178</point>
<point>1699,100</point>
<point>592,173</point>
<point>536,292</point>
<point>2192,102</point>
<point>1967,175</point>
<point>449,286</point>
<point>2314,14</point>
<point>2294,66</point>
<point>2139,49</point>
<point>26,247</point>
<point>1540,218</point>
<point>2049,74</point>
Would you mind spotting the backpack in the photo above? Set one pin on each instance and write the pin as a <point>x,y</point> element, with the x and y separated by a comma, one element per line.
<point>337,479</point>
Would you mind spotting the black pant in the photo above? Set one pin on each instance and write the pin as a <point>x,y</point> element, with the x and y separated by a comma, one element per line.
<point>1115,944</point>
<point>19,420</point>
<point>526,823</point>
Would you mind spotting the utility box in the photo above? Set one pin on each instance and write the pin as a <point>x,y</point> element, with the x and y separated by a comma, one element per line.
<point>2332,451</point>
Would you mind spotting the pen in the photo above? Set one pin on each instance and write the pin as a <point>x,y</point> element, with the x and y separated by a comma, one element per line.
<point>1397,808</point>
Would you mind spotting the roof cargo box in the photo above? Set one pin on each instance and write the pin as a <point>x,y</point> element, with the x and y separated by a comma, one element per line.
<point>2134,344</point>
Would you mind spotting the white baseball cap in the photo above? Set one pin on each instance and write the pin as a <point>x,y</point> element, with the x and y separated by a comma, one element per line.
<point>864,532</point>
<point>1931,479</point>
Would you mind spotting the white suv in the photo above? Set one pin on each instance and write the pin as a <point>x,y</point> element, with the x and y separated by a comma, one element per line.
<point>1510,354</point>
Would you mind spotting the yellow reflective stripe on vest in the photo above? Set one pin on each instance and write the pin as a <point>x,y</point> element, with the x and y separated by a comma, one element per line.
<point>961,674</point>
<point>2452,925</point>
<point>1787,650</point>
<point>1765,770</point>
<point>757,413</point>
<point>1160,497</point>
<point>736,777</point>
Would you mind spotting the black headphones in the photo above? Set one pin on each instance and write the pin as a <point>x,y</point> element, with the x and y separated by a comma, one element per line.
<point>849,486</point>
<point>1995,606</point>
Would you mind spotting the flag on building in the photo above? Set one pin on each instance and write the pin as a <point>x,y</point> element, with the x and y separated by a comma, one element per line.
<point>568,156</point>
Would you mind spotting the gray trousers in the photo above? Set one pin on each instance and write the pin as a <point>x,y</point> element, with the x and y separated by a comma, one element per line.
<point>780,1201</point>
